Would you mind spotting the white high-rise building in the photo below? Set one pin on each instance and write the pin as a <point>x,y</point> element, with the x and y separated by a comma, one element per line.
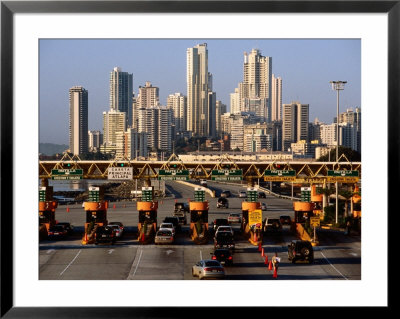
<point>220,109</point>
<point>276,98</point>
<point>95,140</point>
<point>113,122</point>
<point>328,134</point>
<point>131,144</point>
<point>197,90</point>
<point>78,120</point>
<point>235,102</point>
<point>121,92</point>
<point>149,96</point>
<point>178,103</point>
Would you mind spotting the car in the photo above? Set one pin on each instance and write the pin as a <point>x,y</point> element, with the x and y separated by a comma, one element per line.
<point>117,223</point>
<point>226,193</point>
<point>67,226</point>
<point>222,202</point>
<point>105,234</point>
<point>164,236</point>
<point>174,220</point>
<point>218,222</point>
<point>224,240</point>
<point>203,182</point>
<point>261,195</point>
<point>272,224</point>
<point>57,232</point>
<point>169,226</point>
<point>234,218</point>
<point>208,269</point>
<point>118,231</point>
<point>223,255</point>
<point>285,220</point>
<point>300,250</point>
<point>263,206</point>
<point>242,194</point>
<point>180,211</point>
<point>224,228</point>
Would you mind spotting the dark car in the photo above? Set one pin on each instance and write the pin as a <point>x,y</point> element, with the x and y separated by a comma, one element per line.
<point>220,222</point>
<point>174,220</point>
<point>222,202</point>
<point>261,195</point>
<point>300,250</point>
<point>180,211</point>
<point>105,234</point>
<point>226,194</point>
<point>285,220</point>
<point>224,256</point>
<point>67,226</point>
<point>57,232</point>
<point>224,240</point>
<point>272,225</point>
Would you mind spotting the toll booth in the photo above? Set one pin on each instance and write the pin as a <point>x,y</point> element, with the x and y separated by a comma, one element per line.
<point>246,208</point>
<point>303,211</point>
<point>147,223</point>
<point>317,199</point>
<point>199,222</point>
<point>47,209</point>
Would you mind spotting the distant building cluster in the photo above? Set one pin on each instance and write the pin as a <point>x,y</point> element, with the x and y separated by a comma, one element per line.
<point>136,126</point>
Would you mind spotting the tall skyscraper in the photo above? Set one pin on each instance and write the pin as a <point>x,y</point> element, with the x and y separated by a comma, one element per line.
<point>219,110</point>
<point>149,96</point>
<point>276,98</point>
<point>121,92</point>
<point>295,117</point>
<point>78,120</point>
<point>178,103</point>
<point>197,89</point>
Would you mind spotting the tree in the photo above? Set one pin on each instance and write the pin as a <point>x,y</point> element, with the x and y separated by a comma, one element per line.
<point>351,155</point>
<point>348,195</point>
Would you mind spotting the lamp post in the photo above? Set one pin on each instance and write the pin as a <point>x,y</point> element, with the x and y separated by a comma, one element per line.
<point>337,86</point>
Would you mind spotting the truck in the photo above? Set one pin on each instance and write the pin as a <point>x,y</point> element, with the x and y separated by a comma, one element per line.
<point>180,210</point>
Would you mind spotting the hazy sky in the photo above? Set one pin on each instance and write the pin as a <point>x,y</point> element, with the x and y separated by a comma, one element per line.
<point>305,66</point>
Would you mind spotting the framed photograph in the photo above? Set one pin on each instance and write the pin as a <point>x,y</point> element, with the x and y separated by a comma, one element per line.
<point>38,36</point>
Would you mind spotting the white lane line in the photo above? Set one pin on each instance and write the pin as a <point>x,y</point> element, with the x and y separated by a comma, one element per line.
<point>131,275</point>
<point>334,266</point>
<point>71,262</point>
<point>201,255</point>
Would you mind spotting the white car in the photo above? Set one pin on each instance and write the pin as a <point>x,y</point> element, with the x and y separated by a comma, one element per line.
<point>223,228</point>
<point>242,194</point>
<point>168,226</point>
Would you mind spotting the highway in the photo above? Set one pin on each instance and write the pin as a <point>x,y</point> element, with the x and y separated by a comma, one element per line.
<point>338,257</point>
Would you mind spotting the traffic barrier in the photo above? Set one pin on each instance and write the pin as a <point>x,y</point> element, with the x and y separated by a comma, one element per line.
<point>67,209</point>
<point>259,245</point>
<point>275,275</point>
<point>266,260</point>
<point>114,206</point>
<point>262,252</point>
<point>270,265</point>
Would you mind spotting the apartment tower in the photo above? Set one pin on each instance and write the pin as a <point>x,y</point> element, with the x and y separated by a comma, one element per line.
<point>121,92</point>
<point>78,120</point>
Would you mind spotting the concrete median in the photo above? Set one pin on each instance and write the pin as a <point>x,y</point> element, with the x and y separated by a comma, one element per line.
<point>209,191</point>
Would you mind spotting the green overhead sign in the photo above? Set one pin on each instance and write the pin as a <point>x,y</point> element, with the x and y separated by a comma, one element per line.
<point>66,174</point>
<point>173,174</point>
<point>227,175</point>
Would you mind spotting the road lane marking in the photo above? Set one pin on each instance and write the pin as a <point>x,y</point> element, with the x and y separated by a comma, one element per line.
<point>131,275</point>
<point>201,255</point>
<point>334,266</point>
<point>71,262</point>
<point>111,251</point>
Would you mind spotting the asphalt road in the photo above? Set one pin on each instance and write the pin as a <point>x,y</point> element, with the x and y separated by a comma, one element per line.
<point>337,258</point>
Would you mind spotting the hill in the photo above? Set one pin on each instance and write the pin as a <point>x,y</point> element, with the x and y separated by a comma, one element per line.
<point>51,149</point>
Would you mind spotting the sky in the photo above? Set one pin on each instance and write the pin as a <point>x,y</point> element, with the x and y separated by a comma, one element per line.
<point>306,67</point>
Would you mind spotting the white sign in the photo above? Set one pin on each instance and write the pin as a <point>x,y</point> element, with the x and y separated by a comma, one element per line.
<point>120,173</point>
<point>306,189</point>
<point>94,189</point>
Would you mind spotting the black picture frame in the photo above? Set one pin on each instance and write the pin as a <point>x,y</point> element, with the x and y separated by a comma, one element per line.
<point>9,8</point>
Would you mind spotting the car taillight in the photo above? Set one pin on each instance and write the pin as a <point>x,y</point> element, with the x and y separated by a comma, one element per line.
<point>207,269</point>
<point>230,257</point>
<point>214,257</point>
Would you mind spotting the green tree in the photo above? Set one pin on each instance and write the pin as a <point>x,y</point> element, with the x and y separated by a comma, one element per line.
<point>350,154</point>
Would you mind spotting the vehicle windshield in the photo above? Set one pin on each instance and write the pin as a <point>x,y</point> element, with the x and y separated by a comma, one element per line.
<point>224,236</point>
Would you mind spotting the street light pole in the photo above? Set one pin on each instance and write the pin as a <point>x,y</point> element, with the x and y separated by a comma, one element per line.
<point>337,86</point>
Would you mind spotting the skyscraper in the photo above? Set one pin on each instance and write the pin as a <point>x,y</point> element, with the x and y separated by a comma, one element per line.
<point>197,89</point>
<point>113,122</point>
<point>295,118</point>
<point>276,98</point>
<point>121,92</point>
<point>178,103</point>
<point>78,120</point>
<point>149,96</point>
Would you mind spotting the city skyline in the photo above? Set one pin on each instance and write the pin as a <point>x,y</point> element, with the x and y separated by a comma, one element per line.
<point>305,66</point>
